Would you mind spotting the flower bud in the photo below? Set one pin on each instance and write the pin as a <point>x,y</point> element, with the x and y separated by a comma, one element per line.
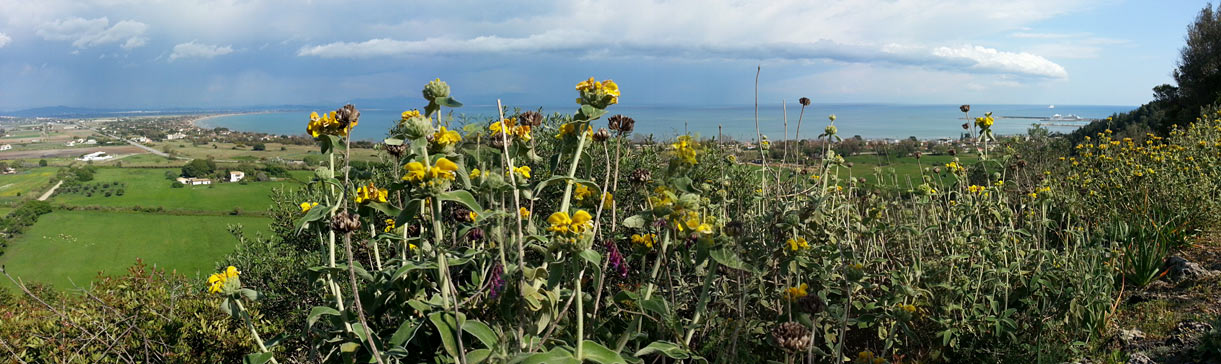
<point>831,117</point>
<point>396,150</point>
<point>436,88</point>
<point>831,129</point>
<point>964,108</point>
<point>602,135</point>
<point>417,127</point>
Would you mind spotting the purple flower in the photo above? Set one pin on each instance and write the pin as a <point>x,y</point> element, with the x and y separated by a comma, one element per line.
<point>497,282</point>
<point>615,259</point>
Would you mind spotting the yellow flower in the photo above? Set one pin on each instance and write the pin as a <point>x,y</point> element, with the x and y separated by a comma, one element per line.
<point>525,214</point>
<point>563,224</point>
<point>306,206</point>
<point>409,114</point>
<point>415,172</point>
<point>954,167</point>
<point>646,239</point>
<point>608,201</point>
<point>475,173</point>
<point>389,225</point>
<point>370,193</point>
<point>445,137</point>
<point>218,281</point>
<point>581,192</point>
<point>522,172</point>
<point>586,85</point>
<point>685,149</point>
<point>797,292</point>
<point>976,189</point>
<point>473,215</point>
<point>612,89</point>
<point>443,169</point>
<point>798,243</point>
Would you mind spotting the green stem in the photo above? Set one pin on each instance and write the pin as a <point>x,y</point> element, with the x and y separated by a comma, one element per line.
<point>703,305</point>
<point>572,169</point>
<point>580,318</point>
<point>254,333</point>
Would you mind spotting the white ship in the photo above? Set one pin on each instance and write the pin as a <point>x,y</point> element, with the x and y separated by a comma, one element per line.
<point>1069,117</point>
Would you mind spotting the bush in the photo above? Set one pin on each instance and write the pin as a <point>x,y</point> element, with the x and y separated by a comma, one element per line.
<point>177,184</point>
<point>42,162</point>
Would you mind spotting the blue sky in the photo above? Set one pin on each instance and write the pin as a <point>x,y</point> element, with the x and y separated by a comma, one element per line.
<point>219,53</point>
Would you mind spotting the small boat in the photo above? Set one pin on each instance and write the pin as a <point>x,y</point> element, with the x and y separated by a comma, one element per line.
<point>1069,117</point>
<point>1051,106</point>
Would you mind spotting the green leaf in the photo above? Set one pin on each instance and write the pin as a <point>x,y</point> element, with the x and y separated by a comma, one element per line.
<point>666,348</point>
<point>634,222</point>
<point>463,197</point>
<point>600,354</point>
<point>727,258</point>
<point>393,141</point>
<point>317,312</point>
<point>257,358</point>
<point>404,332</point>
<point>592,256</point>
<point>482,332</point>
<point>478,355</point>
<point>384,208</point>
<point>447,102</point>
<point>224,307</point>
<point>555,356</point>
<point>445,323</point>
<point>250,294</point>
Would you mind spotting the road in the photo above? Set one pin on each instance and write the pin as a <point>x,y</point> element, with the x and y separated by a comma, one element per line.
<point>142,146</point>
<point>49,192</point>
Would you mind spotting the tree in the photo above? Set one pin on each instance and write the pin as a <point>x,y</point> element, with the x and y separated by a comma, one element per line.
<point>199,168</point>
<point>260,146</point>
<point>1199,67</point>
<point>42,162</point>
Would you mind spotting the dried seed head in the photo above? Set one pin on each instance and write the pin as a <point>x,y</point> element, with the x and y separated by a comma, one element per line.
<point>966,126</point>
<point>531,118</point>
<point>396,150</point>
<point>811,304</point>
<point>964,108</point>
<point>460,214</point>
<point>602,135</point>
<point>475,234</point>
<point>805,101</point>
<point>640,176</point>
<point>621,124</point>
<point>917,155</point>
<point>792,336</point>
<point>953,152</point>
<point>347,115</point>
<point>344,222</point>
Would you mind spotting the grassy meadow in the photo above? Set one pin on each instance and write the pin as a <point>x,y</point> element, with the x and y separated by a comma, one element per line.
<point>149,187</point>
<point>83,243</point>
<point>14,187</point>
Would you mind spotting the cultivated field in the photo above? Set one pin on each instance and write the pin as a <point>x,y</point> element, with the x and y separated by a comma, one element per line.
<point>149,187</point>
<point>14,187</point>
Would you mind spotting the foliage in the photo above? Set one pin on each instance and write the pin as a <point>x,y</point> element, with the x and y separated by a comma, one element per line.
<point>199,168</point>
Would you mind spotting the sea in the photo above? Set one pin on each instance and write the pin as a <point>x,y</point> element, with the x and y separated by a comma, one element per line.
<point>870,121</point>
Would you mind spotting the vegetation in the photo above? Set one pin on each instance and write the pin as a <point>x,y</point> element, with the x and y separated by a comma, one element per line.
<point>147,187</point>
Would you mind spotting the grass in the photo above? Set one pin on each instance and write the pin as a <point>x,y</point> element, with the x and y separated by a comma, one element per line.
<point>18,186</point>
<point>5,210</point>
<point>148,187</point>
<point>74,246</point>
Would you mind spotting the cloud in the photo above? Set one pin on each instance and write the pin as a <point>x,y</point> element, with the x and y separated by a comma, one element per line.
<point>85,33</point>
<point>4,40</point>
<point>975,59</point>
<point>198,50</point>
<point>992,60</point>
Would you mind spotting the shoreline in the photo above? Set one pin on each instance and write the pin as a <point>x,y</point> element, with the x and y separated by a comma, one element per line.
<point>195,122</point>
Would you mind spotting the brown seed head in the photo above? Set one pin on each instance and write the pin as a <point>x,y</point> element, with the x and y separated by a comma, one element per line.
<point>602,135</point>
<point>964,108</point>
<point>347,115</point>
<point>531,118</point>
<point>805,101</point>
<point>344,222</point>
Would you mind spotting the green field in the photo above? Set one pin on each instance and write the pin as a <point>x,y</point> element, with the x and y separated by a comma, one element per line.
<point>18,186</point>
<point>77,245</point>
<point>148,187</point>
<point>864,165</point>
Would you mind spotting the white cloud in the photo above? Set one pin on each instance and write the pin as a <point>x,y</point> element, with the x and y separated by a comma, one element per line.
<point>4,40</point>
<point>992,60</point>
<point>85,33</point>
<point>198,50</point>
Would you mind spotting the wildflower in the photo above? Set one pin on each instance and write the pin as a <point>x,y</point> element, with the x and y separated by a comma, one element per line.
<point>472,216</point>
<point>831,117</point>
<point>615,259</point>
<point>798,243</point>
<point>598,94</point>
<point>577,224</point>
<point>693,222</point>
<point>441,171</point>
<point>804,101</point>
<point>344,222</point>
<point>407,115</point>
<point>571,129</point>
<point>647,239</point>
<point>224,281</point>
<point>608,201</point>
<point>792,336</point>
<point>621,124</point>
<point>976,189</point>
<point>510,127</point>
<point>444,137</point>
<point>435,89</point>
<point>306,206</point>
<point>370,193</point>
<point>389,225</point>
<point>525,214</point>
<point>954,167</point>
<point>581,192</point>
<point>497,283</point>
<point>522,172</point>
<point>475,173</point>
<point>964,108</point>
<point>794,293</point>
<point>685,149</point>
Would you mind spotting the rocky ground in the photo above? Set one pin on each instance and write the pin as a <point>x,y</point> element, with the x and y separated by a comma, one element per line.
<point>1174,319</point>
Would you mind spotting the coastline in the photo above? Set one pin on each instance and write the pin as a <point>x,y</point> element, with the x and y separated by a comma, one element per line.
<point>195,122</point>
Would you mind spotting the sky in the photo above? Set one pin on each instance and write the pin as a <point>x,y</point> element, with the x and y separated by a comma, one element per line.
<point>228,53</point>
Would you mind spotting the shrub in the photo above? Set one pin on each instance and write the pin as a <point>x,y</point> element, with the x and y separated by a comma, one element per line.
<point>177,184</point>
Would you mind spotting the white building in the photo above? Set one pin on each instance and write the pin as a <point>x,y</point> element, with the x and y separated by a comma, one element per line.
<point>6,147</point>
<point>70,143</point>
<point>175,136</point>
<point>235,176</point>
<point>141,140</point>
<point>95,156</point>
<point>193,181</point>
<point>91,141</point>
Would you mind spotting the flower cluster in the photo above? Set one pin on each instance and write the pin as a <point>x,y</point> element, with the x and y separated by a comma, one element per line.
<point>570,229</point>
<point>306,206</point>
<point>437,175</point>
<point>226,281</point>
<point>796,292</point>
<point>445,138</point>
<point>370,193</point>
<point>510,128</point>
<point>598,94</point>
<point>685,149</point>
<point>646,240</point>
<point>798,243</point>
<point>327,124</point>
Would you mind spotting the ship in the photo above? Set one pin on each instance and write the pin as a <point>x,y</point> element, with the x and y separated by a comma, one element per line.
<point>1069,117</point>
